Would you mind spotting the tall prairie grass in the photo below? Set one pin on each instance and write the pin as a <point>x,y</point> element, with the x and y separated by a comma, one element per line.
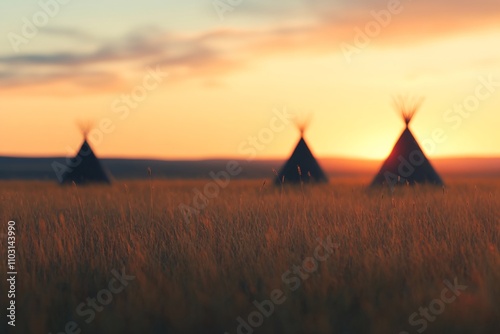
<point>394,252</point>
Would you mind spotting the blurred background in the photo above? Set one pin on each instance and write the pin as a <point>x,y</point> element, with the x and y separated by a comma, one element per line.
<point>221,69</point>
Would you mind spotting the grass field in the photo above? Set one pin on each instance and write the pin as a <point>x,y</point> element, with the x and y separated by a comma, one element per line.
<point>388,258</point>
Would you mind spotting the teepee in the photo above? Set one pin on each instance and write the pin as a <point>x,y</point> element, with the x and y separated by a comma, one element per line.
<point>407,163</point>
<point>87,167</point>
<point>302,166</point>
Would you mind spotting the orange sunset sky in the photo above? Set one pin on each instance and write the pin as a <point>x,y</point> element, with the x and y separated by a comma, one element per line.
<point>225,73</point>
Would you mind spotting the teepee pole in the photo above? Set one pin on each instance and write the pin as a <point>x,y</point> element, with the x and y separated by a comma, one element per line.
<point>408,107</point>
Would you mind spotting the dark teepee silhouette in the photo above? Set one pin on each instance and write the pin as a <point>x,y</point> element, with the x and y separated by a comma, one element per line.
<point>86,167</point>
<point>302,166</point>
<point>407,163</point>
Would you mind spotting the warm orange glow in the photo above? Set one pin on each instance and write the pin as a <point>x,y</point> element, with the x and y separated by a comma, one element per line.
<point>224,82</point>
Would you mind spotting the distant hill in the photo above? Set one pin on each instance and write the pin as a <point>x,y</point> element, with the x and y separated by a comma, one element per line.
<point>40,168</point>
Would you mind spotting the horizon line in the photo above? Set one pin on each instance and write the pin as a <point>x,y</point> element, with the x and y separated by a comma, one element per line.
<point>207,158</point>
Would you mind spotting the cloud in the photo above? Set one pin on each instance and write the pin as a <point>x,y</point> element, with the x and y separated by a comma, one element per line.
<point>191,55</point>
<point>131,47</point>
<point>62,82</point>
<point>71,33</point>
<point>313,26</point>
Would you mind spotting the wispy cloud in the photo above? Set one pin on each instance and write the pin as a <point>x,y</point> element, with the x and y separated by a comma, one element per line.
<point>71,33</point>
<point>214,53</point>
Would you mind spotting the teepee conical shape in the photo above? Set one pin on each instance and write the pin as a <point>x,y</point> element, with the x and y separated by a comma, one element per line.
<point>407,163</point>
<point>86,168</point>
<point>301,166</point>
